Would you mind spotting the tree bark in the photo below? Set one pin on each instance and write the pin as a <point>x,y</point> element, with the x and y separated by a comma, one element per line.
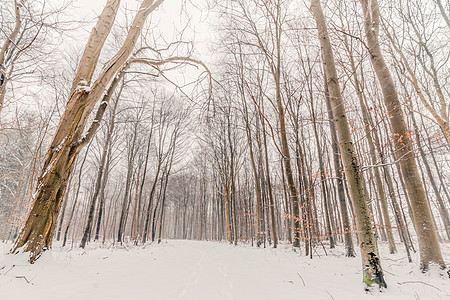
<point>350,252</point>
<point>372,272</point>
<point>37,232</point>
<point>101,168</point>
<point>325,196</point>
<point>126,198</point>
<point>368,129</point>
<point>255,173</point>
<point>77,193</point>
<point>442,209</point>
<point>426,232</point>
<point>269,188</point>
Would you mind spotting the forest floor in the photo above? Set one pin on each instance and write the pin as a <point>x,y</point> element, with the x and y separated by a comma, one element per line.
<point>209,270</point>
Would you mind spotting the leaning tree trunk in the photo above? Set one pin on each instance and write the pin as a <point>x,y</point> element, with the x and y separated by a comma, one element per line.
<point>150,201</point>
<point>349,249</point>
<point>101,166</point>
<point>77,193</point>
<point>372,272</point>
<point>255,171</point>
<point>61,219</point>
<point>402,228</point>
<point>369,130</point>
<point>168,169</point>
<point>232,181</point>
<point>285,147</point>
<point>325,196</point>
<point>430,250</point>
<point>443,210</point>
<point>269,189</point>
<point>37,232</point>
<point>274,62</point>
<point>126,198</point>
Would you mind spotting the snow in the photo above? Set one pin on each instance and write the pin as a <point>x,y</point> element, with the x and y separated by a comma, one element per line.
<point>50,166</point>
<point>83,85</point>
<point>59,147</point>
<point>208,270</point>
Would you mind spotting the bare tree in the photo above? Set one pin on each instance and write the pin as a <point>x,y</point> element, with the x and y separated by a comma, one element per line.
<point>430,250</point>
<point>28,28</point>
<point>372,272</point>
<point>37,232</point>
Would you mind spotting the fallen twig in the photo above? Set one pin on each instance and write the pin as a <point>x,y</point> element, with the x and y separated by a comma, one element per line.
<point>389,273</point>
<point>9,269</point>
<point>330,295</point>
<point>24,278</point>
<point>301,279</point>
<point>400,283</point>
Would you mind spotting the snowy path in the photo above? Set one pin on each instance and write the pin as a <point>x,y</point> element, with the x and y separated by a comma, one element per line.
<point>206,270</point>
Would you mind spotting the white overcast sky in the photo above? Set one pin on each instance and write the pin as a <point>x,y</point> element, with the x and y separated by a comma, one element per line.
<point>167,17</point>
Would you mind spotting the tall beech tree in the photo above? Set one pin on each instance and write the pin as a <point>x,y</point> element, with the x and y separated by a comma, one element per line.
<point>372,272</point>
<point>370,130</point>
<point>430,251</point>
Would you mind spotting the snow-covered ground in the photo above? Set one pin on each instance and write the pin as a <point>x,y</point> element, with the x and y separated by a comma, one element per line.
<point>208,270</point>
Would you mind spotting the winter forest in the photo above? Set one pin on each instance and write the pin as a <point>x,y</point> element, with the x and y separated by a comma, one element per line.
<point>234,149</point>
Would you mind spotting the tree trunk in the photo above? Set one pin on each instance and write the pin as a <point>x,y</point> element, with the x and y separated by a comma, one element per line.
<point>255,174</point>
<point>77,193</point>
<point>430,250</point>
<point>101,167</point>
<point>350,252</point>
<point>63,213</point>
<point>368,129</point>
<point>269,188</point>
<point>232,181</point>
<point>126,198</point>
<point>37,232</point>
<point>442,209</point>
<point>325,196</point>
<point>372,272</point>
